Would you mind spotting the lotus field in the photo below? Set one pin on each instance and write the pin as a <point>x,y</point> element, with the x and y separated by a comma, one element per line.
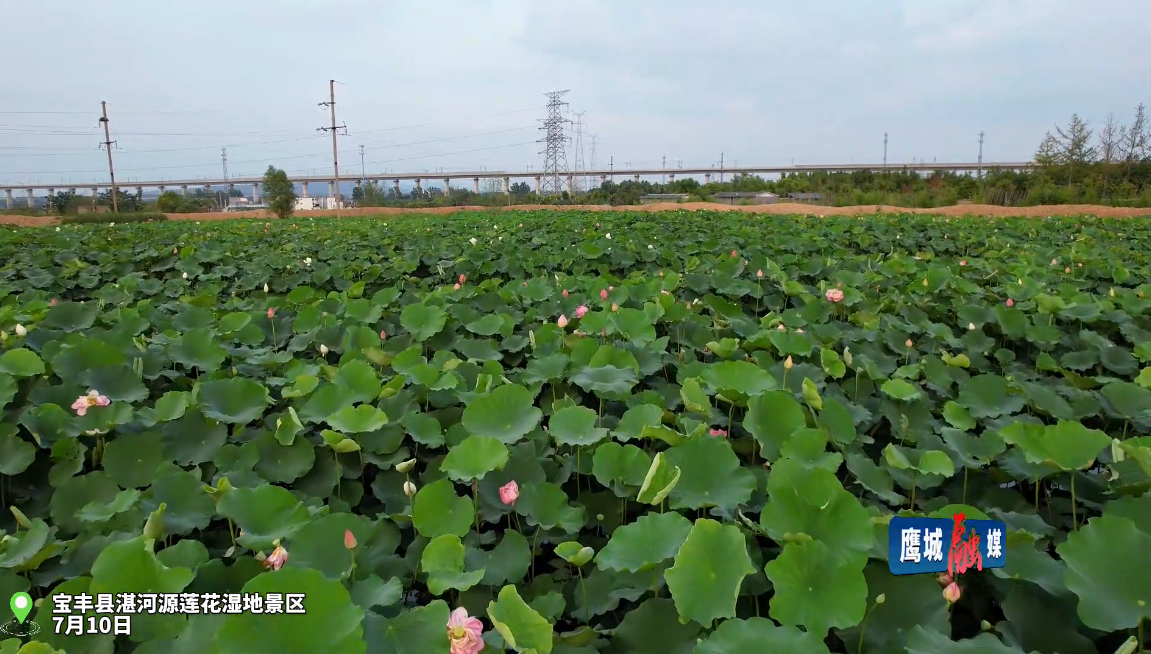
<point>576,432</point>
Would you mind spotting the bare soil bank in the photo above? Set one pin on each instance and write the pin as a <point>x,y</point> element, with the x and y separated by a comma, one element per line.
<point>1041,211</point>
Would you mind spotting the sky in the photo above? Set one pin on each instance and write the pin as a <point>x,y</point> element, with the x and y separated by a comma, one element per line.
<point>459,84</point>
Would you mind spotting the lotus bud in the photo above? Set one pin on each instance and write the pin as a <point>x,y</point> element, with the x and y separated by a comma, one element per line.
<point>265,287</point>
<point>21,331</point>
<point>409,489</point>
<point>21,519</point>
<point>925,282</point>
<point>881,598</point>
<point>184,275</point>
<point>971,326</point>
<point>847,356</point>
<point>788,363</point>
<point>1110,293</point>
<point>154,527</point>
<point>406,466</point>
<point>323,350</point>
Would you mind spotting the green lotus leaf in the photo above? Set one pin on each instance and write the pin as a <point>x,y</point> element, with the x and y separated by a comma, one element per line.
<point>124,501</point>
<point>654,626</point>
<point>236,401</point>
<point>1130,401</point>
<point>522,628</point>
<point>131,460</point>
<point>771,419</point>
<point>320,543</point>
<point>576,426</point>
<point>818,587</point>
<point>710,566</point>
<point>418,631</point>
<point>546,505</point>
<point>811,501</point>
<point>710,475</point>
<point>901,389</point>
<point>23,546</point>
<point>21,362</point>
<point>574,553</point>
<point>989,396</point>
<point>507,562</point>
<point>357,420</point>
<point>71,317</point>
<point>759,635</point>
<point>923,641</point>
<point>645,543</point>
<point>330,623</point>
<point>437,510</point>
<point>1106,571</point>
<point>443,562</point>
<point>605,379</point>
<point>423,321</point>
<point>16,454</point>
<point>635,419</point>
<point>197,349</point>
<point>474,457</point>
<point>621,468</point>
<point>1068,444</point>
<point>506,414</point>
<point>263,514</point>
<point>660,480</point>
<point>739,379</point>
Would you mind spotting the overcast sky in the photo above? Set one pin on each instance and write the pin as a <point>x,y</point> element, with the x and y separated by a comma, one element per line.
<point>459,84</point>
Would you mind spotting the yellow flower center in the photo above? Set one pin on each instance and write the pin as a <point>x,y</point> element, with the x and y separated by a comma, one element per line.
<point>457,633</point>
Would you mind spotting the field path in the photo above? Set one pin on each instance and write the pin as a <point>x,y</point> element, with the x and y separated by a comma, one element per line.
<point>1040,211</point>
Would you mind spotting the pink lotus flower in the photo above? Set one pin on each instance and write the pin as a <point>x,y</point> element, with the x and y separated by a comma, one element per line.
<point>175,251</point>
<point>457,286</point>
<point>759,273</point>
<point>909,343</point>
<point>271,312</point>
<point>383,335</point>
<point>611,288</point>
<point>581,311</point>
<point>84,402</point>
<point>463,278</point>
<point>465,633</point>
<point>614,306</point>
<point>1067,269</point>
<point>562,322</point>
<point>349,539</point>
<point>277,558</point>
<point>717,432</point>
<point>834,295</point>
<point>565,293</point>
<point>509,492</point>
<point>52,303</point>
<point>1054,262</point>
<point>603,294</point>
<point>1010,303</point>
<point>734,254</point>
<point>952,593</point>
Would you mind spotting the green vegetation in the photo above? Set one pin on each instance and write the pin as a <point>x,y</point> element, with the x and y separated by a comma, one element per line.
<point>110,217</point>
<point>279,194</point>
<point>709,419</point>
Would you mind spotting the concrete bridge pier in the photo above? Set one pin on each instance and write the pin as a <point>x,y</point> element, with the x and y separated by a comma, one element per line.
<point>332,191</point>
<point>635,178</point>
<point>7,198</point>
<point>31,199</point>
<point>602,180</point>
<point>256,193</point>
<point>51,192</point>
<point>162,189</point>
<point>476,185</point>
<point>396,186</point>
<point>140,191</point>
<point>95,192</point>
<point>417,184</point>
<point>707,178</point>
<point>671,177</point>
<point>507,187</point>
<point>537,184</point>
<point>303,189</point>
<point>571,183</point>
<point>447,187</point>
<point>184,190</point>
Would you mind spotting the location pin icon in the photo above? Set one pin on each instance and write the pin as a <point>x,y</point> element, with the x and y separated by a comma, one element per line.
<point>21,606</point>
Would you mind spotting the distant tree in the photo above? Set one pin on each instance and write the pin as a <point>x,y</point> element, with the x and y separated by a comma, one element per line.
<point>62,202</point>
<point>125,202</point>
<point>520,188</point>
<point>279,193</point>
<point>1075,144</point>
<point>235,193</point>
<point>1134,144</point>
<point>169,202</point>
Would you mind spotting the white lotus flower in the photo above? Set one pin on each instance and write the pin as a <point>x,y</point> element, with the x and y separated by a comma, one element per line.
<point>308,261</point>
<point>265,287</point>
<point>324,350</point>
<point>57,229</point>
<point>971,326</point>
<point>607,236</point>
<point>184,275</point>
<point>472,240</point>
<point>21,331</point>
<point>409,489</point>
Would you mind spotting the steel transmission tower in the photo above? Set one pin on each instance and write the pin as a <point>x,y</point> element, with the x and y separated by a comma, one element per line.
<point>580,165</point>
<point>555,158</point>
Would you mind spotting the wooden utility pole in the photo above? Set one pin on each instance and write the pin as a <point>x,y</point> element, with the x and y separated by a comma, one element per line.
<point>331,104</point>
<point>108,146</point>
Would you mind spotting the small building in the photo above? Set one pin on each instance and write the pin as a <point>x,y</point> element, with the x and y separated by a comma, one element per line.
<point>316,204</point>
<point>805,197</point>
<point>653,198</point>
<point>745,197</point>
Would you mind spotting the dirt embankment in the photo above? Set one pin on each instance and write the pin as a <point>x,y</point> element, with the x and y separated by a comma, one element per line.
<point>1041,211</point>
